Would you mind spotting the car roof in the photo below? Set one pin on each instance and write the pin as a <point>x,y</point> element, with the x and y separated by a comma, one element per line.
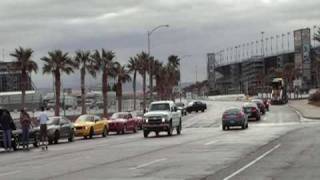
<point>232,109</point>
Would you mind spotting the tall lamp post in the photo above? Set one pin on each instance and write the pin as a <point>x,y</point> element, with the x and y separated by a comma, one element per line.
<point>150,65</point>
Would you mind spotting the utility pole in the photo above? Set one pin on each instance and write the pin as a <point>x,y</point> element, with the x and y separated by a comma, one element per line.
<point>288,37</point>
<point>271,39</point>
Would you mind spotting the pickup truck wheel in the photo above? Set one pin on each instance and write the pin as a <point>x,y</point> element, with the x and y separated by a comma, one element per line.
<point>224,128</point>
<point>145,133</point>
<point>179,128</point>
<point>157,133</point>
<point>202,110</point>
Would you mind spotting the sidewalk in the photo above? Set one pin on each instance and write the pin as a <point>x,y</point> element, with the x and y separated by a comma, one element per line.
<point>307,111</point>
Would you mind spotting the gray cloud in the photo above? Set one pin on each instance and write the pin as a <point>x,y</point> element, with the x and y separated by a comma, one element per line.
<point>196,27</point>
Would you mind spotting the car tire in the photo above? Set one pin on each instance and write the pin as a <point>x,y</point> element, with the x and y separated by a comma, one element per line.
<point>104,132</point>
<point>243,126</point>
<point>71,136</point>
<point>224,128</point>
<point>170,130</point>
<point>179,128</point>
<point>91,133</point>
<point>124,129</point>
<point>135,129</point>
<point>36,142</point>
<point>15,144</point>
<point>202,110</point>
<point>157,133</point>
<point>145,133</point>
<point>56,137</point>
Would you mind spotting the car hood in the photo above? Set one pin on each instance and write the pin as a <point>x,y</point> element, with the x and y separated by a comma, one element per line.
<point>156,113</point>
<point>117,120</point>
<point>83,123</point>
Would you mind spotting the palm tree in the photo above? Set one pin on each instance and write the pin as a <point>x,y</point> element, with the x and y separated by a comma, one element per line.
<point>122,76</point>
<point>173,70</point>
<point>103,62</point>
<point>133,67</point>
<point>143,62</point>
<point>86,64</point>
<point>26,65</point>
<point>57,63</point>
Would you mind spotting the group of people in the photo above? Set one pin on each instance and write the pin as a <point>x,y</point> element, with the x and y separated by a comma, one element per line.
<point>7,125</point>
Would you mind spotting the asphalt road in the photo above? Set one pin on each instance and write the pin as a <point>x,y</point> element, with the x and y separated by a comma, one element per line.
<point>274,147</point>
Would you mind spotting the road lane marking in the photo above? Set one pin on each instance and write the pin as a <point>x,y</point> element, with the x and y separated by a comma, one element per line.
<point>252,162</point>
<point>211,142</point>
<point>149,163</point>
<point>9,173</point>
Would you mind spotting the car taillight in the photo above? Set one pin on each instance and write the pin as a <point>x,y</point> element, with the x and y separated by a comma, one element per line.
<point>224,116</point>
<point>254,109</point>
<point>240,115</point>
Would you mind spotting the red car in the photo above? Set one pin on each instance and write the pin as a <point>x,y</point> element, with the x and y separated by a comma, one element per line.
<point>122,122</point>
<point>138,117</point>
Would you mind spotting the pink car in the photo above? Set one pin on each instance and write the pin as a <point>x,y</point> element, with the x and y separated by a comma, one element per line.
<point>138,117</point>
<point>122,122</point>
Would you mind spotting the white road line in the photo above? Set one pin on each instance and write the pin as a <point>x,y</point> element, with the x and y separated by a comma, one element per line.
<point>211,142</point>
<point>149,163</point>
<point>9,173</point>
<point>252,162</point>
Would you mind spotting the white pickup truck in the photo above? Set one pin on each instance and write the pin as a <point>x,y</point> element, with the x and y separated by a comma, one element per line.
<point>162,116</point>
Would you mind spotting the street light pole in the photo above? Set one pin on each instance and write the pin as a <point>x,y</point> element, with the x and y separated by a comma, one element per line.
<point>149,52</point>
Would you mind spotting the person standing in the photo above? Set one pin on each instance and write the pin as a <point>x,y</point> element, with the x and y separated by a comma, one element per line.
<point>25,122</point>
<point>43,119</point>
<point>7,127</point>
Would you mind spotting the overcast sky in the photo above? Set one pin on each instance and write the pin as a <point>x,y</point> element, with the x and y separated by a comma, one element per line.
<point>196,27</point>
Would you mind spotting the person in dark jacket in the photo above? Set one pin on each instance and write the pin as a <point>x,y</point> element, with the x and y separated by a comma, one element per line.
<point>25,122</point>
<point>7,127</point>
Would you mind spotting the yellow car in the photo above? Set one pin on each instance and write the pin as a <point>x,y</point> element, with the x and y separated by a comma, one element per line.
<point>90,125</point>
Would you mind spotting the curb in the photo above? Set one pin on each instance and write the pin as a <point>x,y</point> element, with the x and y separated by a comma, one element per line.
<point>301,114</point>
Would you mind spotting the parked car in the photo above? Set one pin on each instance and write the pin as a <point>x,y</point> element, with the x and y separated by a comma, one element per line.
<point>260,104</point>
<point>89,125</point>
<point>59,127</point>
<point>162,116</point>
<point>121,122</point>
<point>17,136</point>
<point>196,106</point>
<point>252,111</point>
<point>138,117</point>
<point>181,107</point>
<point>234,117</point>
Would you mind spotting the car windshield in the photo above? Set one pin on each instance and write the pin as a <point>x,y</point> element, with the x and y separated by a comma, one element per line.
<point>84,118</point>
<point>119,116</point>
<point>53,121</point>
<point>233,111</point>
<point>180,104</point>
<point>159,107</point>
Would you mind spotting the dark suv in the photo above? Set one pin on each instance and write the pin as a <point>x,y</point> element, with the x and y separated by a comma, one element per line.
<point>196,106</point>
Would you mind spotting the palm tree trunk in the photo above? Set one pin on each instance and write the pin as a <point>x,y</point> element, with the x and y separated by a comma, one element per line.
<point>105,92</point>
<point>23,88</point>
<point>134,84</point>
<point>58,89</point>
<point>83,95</point>
<point>144,91</point>
<point>119,89</point>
